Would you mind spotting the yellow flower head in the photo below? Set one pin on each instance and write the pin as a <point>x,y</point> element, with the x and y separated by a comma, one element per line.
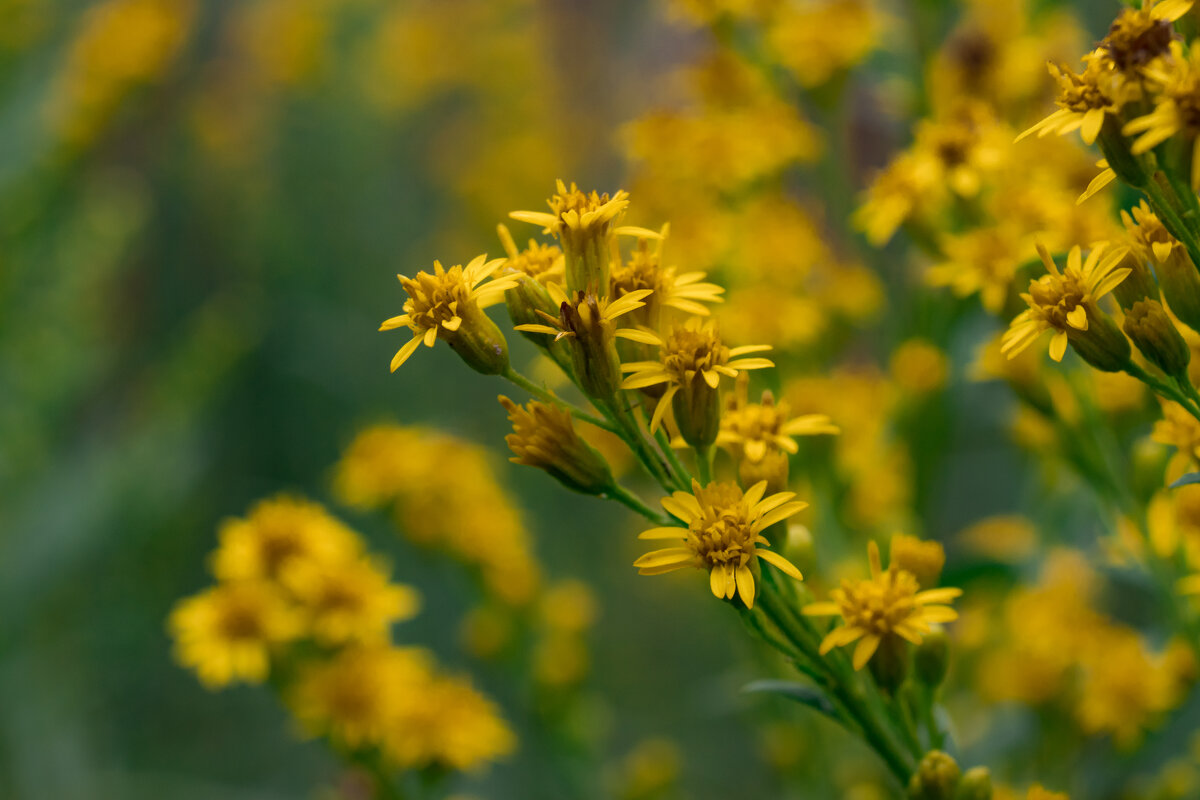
<point>919,367</point>
<point>960,148</point>
<point>1140,35</point>
<point>1084,99</point>
<point>542,262</point>
<point>924,559</point>
<point>447,723</point>
<point>1065,301</point>
<point>584,224</point>
<point>723,535</point>
<point>349,600</point>
<point>448,304</point>
<point>752,430</point>
<point>982,260</point>
<point>692,358</point>
<point>644,270</point>
<point>227,633</point>
<point>355,696</point>
<point>1148,235</point>
<point>276,533</point>
<point>1177,105</point>
<point>1178,429</point>
<point>904,189</point>
<point>889,603</point>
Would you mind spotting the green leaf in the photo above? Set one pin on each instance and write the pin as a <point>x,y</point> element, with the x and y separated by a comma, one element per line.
<point>801,693</point>
<point>1191,477</point>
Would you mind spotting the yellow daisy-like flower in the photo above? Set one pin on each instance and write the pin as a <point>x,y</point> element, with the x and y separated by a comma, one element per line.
<point>447,723</point>
<point>350,600</point>
<point>355,696</point>
<point>889,603</point>
<point>723,535</point>
<point>691,358</point>
<point>542,262</point>
<point>982,260</point>
<point>276,533</point>
<point>1085,99</point>
<point>1140,35</point>
<point>751,430</point>
<point>686,291</point>
<point>1065,301</point>
<point>227,633</point>
<point>448,304</point>
<point>1176,109</point>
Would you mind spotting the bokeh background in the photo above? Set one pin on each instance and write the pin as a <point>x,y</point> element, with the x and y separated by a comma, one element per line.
<point>203,204</point>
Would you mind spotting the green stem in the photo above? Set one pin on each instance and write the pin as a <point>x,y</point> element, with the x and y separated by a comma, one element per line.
<point>548,396</point>
<point>631,433</point>
<point>682,475</point>
<point>1166,389</point>
<point>704,464</point>
<point>633,502</point>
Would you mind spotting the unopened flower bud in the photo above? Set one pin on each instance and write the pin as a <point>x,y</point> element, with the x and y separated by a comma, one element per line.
<point>976,784</point>
<point>932,658</point>
<point>544,436</point>
<point>1181,286</point>
<point>1148,325</point>
<point>889,664</point>
<point>936,778</point>
<point>479,342</point>
<point>772,468</point>
<point>1102,345</point>
<point>1139,284</point>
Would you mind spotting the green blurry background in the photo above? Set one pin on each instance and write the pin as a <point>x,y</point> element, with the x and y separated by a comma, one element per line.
<point>202,209</point>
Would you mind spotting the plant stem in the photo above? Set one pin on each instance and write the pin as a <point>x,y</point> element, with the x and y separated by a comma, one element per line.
<point>633,502</point>
<point>548,396</point>
<point>704,464</point>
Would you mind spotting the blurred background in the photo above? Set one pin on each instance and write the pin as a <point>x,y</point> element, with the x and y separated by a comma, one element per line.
<point>203,204</point>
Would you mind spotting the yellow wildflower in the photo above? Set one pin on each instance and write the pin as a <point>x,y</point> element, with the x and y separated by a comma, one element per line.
<point>919,367</point>
<point>349,600</point>
<point>1085,99</point>
<point>669,289</point>
<point>277,532</point>
<point>924,559</point>
<point>544,436</point>
<point>542,262</point>
<point>1176,109</point>
<point>448,304</point>
<point>901,191</point>
<point>1065,302</point>
<point>751,430</point>
<point>888,604</point>
<point>355,696</point>
<point>1178,429</point>
<point>982,260</point>
<point>1140,35</point>
<point>723,535</point>
<point>815,41</point>
<point>227,633</point>
<point>692,359</point>
<point>447,723</point>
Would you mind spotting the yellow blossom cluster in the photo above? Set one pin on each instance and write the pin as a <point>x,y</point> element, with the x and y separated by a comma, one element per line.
<point>444,494</point>
<point>300,602</point>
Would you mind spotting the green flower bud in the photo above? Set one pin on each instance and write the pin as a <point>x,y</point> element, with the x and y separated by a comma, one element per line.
<point>1102,345</point>
<point>976,784</point>
<point>936,778</point>
<point>479,342</point>
<point>544,436</point>
<point>1139,284</point>
<point>932,658</point>
<point>889,665</point>
<point>1148,325</point>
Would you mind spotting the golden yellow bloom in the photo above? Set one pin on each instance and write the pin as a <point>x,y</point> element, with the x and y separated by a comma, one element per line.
<point>751,430</point>
<point>982,260</point>
<point>1085,99</point>
<point>1180,430</point>
<point>723,535</point>
<point>227,633</point>
<point>960,149</point>
<point>919,367</point>
<point>355,696</point>
<point>447,723</point>
<point>276,533</point>
<point>815,41</point>
<point>887,604</point>
<point>1065,302</point>
<point>583,224</point>
<point>1176,109</point>
<point>448,304</point>
<point>686,292</point>
<point>901,191</point>
<point>1140,35</point>
<point>692,359</point>
<point>923,558</point>
<point>542,262</point>
<point>350,600</point>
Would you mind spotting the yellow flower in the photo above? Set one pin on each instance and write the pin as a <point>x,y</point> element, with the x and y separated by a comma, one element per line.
<point>227,633</point>
<point>1176,109</point>
<point>669,289</point>
<point>542,262</point>
<point>1178,429</point>
<point>1140,35</point>
<point>349,600</point>
<point>1065,302</point>
<point>982,260</point>
<point>751,430</point>
<point>919,367</point>
<point>723,535</point>
<point>584,224</point>
<point>1086,99</point>
<point>448,304</point>
<point>447,723</point>
<point>691,361</point>
<point>924,559</point>
<point>544,436</point>
<point>816,41</point>
<point>960,149</point>
<point>900,192</point>
<point>887,604</point>
<point>355,696</point>
<point>277,532</point>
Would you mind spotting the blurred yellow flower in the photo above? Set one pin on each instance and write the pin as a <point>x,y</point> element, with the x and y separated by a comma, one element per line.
<point>349,600</point>
<point>276,533</point>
